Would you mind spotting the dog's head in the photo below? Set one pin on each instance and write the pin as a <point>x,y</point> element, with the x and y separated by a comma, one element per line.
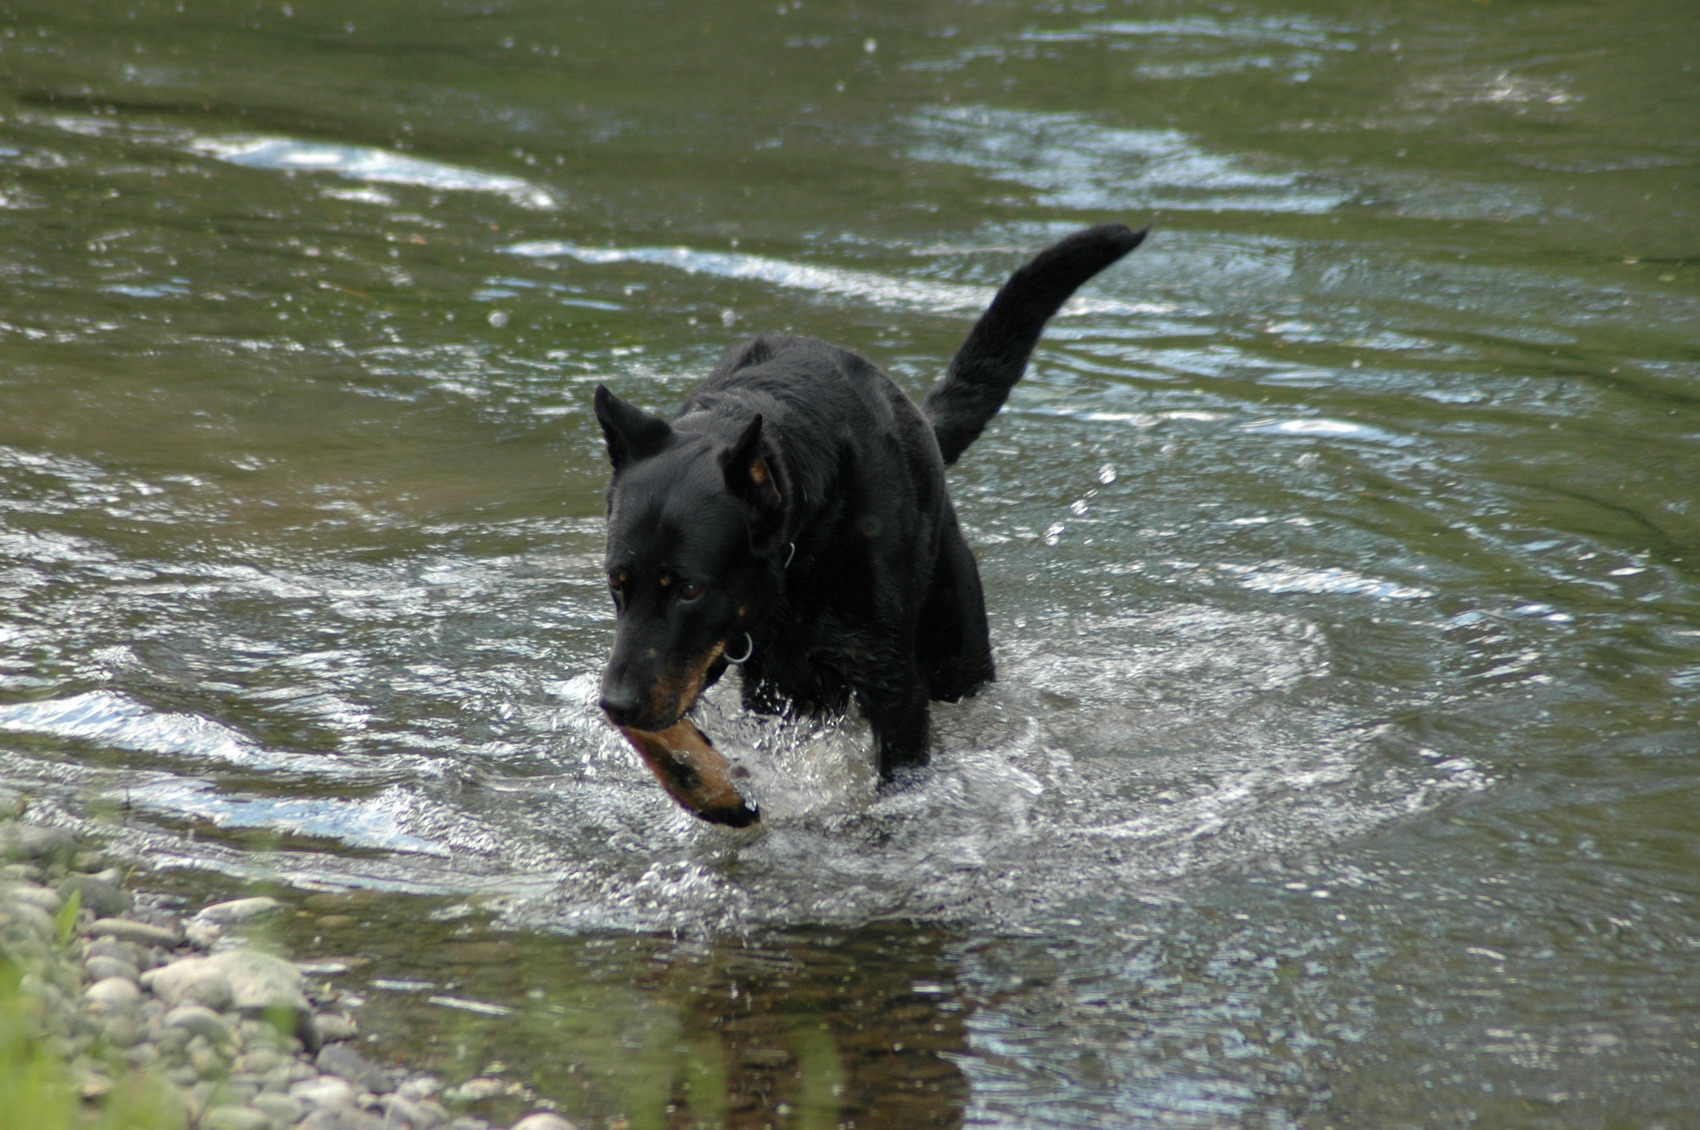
<point>693,558</point>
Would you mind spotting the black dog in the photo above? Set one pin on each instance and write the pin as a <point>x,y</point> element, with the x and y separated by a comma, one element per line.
<point>793,518</point>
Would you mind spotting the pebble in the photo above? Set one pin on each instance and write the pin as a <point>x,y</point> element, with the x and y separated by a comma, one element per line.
<point>34,841</point>
<point>46,898</point>
<point>281,1109</point>
<point>259,1061</point>
<point>25,919</point>
<point>332,1027</point>
<point>200,1021</point>
<point>235,1118</point>
<point>122,1031</point>
<point>141,933</point>
<point>543,1120</point>
<point>403,1113</point>
<point>260,982</point>
<point>476,1088</point>
<point>98,893</point>
<point>324,1092</point>
<point>344,1061</point>
<point>190,980</point>
<point>239,910</point>
<point>112,947</point>
<point>113,993</point>
<point>100,968</point>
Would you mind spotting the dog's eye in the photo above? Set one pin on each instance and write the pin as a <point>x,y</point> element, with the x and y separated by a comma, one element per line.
<point>690,591</point>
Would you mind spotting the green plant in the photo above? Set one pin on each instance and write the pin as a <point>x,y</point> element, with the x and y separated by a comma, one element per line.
<point>41,1089</point>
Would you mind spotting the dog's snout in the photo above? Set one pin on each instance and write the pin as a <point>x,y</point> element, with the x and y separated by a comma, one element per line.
<point>621,704</point>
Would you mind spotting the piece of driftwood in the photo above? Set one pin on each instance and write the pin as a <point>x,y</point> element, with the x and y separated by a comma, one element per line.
<point>693,772</point>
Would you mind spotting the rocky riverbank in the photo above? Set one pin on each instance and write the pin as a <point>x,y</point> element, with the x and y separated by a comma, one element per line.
<point>165,1020</point>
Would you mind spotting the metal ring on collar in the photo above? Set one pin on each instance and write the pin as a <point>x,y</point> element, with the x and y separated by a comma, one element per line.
<point>749,650</point>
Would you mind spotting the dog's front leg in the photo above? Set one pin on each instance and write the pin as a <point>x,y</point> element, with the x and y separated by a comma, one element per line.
<point>897,713</point>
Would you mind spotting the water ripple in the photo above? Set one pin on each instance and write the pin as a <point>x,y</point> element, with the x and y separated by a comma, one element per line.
<point>882,290</point>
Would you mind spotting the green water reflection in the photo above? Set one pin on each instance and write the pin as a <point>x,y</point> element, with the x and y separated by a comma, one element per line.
<point>809,1029</point>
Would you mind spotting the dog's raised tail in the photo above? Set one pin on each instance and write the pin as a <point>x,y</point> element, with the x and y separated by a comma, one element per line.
<point>995,355</point>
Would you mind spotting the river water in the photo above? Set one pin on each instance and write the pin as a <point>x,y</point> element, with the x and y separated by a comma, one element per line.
<point>1341,546</point>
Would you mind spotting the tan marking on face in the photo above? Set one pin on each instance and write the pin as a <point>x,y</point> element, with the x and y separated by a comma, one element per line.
<point>671,697</point>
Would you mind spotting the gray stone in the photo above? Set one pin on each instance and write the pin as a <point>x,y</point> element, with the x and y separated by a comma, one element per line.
<point>332,1027</point>
<point>475,1089</point>
<point>21,920</point>
<point>281,1109</point>
<point>172,1041</point>
<point>239,910</point>
<point>191,980</point>
<point>260,982</point>
<point>113,948</point>
<point>543,1120</point>
<point>200,1021</point>
<point>342,1120</point>
<point>141,933</point>
<point>340,1059</point>
<point>285,1076</point>
<point>324,1092</point>
<point>113,993</point>
<point>235,1118</point>
<point>121,1031</point>
<point>100,896</point>
<point>434,1111</point>
<point>34,841</point>
<point>403,1114</point>
<point>100,968</point>
<point>46,898</point>
<point>206,1060</point>
<point>260,1061</point>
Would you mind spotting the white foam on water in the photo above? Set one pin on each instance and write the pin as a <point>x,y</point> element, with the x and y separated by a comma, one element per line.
<point>367,163</point>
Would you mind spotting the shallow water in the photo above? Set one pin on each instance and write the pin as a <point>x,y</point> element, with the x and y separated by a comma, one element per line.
<point>1340,545</point>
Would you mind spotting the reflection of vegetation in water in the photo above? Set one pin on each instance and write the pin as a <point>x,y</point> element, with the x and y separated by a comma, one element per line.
<point>692,1040</point>
<point>810,1031</point>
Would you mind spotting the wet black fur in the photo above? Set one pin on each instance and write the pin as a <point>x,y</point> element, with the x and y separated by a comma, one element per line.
<point>797,503</point>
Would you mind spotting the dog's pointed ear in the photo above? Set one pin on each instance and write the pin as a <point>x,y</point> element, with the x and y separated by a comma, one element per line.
<point>749,475</point>
<point>632,433</point>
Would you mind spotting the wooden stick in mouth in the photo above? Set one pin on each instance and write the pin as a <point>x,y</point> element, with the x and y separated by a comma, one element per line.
<point>693,772</point>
